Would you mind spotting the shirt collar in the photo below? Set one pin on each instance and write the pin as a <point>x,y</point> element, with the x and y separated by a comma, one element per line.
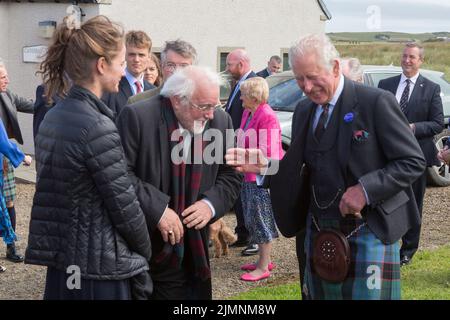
<point>338,91</point>
<point>244,76</point>
<point>413,79</point>
<point>132,80</point>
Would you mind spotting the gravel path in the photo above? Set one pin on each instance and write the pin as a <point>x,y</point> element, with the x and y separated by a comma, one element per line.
<point>22,281</point>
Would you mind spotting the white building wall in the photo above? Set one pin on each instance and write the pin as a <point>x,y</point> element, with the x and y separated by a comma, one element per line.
<point>263,27</point>
<point>4,30</point>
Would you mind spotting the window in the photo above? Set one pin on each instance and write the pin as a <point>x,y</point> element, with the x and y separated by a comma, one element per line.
<point>285,55</point>
<point>222,53</point>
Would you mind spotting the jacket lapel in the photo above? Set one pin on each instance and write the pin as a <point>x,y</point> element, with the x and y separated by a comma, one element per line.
<point>164,150</point>
<point>7,102</point>
<point>348,105</point>
<point>415,95</point>
<point>125,88</point>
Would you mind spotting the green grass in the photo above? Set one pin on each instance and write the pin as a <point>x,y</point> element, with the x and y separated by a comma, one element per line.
<point>427,278</point>
<point>437,55</point>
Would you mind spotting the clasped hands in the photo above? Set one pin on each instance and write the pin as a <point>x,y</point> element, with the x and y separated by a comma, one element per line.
<point>253,161</point>
<point>195,216</point>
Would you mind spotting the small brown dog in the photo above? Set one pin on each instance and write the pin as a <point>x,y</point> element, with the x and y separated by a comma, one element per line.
<point>221,236</point>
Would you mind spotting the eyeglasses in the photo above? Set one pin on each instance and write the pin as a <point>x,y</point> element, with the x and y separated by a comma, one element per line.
<point>172,66</point>
<point>206,107</point>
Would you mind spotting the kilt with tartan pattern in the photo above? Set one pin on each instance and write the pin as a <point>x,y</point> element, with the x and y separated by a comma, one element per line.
<point>9,182</point>
<point>374,268</point>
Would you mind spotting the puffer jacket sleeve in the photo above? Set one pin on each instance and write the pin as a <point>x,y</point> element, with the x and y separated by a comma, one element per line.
<point>106,162</point>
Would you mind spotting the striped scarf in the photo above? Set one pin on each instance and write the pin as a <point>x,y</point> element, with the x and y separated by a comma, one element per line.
<point>185,186</point>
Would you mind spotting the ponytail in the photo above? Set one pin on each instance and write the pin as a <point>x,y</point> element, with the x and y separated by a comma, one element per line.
<point>70,57</point>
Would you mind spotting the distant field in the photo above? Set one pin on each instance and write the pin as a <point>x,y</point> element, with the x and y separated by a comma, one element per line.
<point>437,55</point>
<point>393,36</point>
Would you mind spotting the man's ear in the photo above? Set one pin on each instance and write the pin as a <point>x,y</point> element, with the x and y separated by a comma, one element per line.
<point>336,67</point>
<point>101,65</point>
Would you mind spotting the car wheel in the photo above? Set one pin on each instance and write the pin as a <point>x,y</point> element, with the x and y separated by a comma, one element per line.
<point>439,176</point>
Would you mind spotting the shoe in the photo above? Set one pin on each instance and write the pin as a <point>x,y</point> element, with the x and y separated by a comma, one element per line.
<point>240,243</point>
<point>250,250</point>
<point>252,266</point>
<point>249,277</point>
<point>405,260</point>
<point>12,255</point>
<point>2,269</point>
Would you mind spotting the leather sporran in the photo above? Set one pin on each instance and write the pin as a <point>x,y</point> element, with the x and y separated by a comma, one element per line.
<point>331,256</point>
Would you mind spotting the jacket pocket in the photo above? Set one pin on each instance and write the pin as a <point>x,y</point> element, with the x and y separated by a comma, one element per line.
<point>393,203</point>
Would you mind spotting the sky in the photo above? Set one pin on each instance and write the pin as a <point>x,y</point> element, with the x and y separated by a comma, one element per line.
<point>411,16</point>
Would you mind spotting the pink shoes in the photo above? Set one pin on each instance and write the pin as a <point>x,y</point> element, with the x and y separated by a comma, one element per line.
<point>249,277</point>
<point>252,266</point>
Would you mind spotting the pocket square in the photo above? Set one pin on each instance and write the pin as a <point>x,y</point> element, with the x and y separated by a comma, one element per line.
<point>360,135</point>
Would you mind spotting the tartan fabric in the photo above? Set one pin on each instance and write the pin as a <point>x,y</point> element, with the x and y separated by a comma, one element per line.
<point>9,181</point>
<point>6,229</point>
<point>374,269</point>
<point>185,186</point>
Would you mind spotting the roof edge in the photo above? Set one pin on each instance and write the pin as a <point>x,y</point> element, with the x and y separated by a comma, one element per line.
<point>324,9</point>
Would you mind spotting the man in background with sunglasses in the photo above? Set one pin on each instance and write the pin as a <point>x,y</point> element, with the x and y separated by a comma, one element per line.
<point>180,190</point>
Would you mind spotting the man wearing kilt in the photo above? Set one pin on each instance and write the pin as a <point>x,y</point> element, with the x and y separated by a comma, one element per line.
<point>10,103</point>
<point>347,176</point>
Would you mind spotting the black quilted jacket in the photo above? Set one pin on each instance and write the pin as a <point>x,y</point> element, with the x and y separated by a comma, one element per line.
<point>85,211</point>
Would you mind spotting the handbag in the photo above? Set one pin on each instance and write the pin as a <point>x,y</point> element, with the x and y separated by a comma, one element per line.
<point>331,255</point>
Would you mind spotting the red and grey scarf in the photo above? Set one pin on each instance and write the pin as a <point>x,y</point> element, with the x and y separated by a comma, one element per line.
<point>185,186</point>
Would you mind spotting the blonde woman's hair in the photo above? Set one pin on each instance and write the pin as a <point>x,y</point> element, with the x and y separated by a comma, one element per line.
<point>255,88</point>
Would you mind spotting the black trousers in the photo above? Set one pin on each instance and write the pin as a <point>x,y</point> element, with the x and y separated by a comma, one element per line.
<point>176,284</point>
<point>410,241</point>
<point>301,257</point>
<point>240,229</point>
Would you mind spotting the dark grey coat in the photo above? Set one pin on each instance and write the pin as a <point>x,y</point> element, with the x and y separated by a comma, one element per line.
<point>386,163</point>
<point>85,211</point>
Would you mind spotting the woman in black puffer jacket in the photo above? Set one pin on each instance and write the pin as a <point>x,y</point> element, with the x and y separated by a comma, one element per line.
<point>86,222</point>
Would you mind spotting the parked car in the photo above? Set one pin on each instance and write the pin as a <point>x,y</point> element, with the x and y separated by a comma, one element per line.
<point>285,95</point>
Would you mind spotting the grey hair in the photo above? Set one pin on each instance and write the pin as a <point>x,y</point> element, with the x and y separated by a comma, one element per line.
<point>181,47</point>
<point>418,46</point>
<point>355,71</point>
<point>184,81</point>
<point>276,58</point>
<point>318,44</point>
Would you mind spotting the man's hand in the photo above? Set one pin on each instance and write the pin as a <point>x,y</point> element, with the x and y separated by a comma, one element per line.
<point>27,160</point>
<point>444,155</point>
<point>353,201</point>
<point>170,226</point>
<point>197,215</point>
<point>247,160</point>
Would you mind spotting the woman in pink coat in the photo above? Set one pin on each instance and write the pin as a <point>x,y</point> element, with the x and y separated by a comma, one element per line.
<point>259,129</point>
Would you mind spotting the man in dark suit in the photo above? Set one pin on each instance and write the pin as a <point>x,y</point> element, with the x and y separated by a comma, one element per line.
<point>420,100</point>
<point>273,66</point>
<point>179,192</point>
<point>175,54</point>
<point>10,104</point>
<point>138,45</point>
<point>239,66</point>
<point>349,168</point>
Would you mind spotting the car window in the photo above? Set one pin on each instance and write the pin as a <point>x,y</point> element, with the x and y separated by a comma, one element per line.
<point>445,86</point>
<point>285,96</point>
<point>376,77</point>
